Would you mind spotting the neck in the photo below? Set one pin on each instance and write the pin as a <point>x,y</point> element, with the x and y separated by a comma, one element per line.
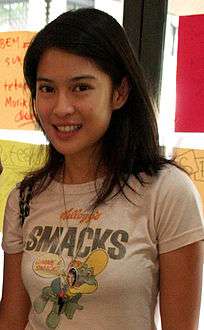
<point>81,171</point>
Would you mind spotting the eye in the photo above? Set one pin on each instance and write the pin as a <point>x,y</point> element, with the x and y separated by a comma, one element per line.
<point>46,89</point>
<point>82,87</point>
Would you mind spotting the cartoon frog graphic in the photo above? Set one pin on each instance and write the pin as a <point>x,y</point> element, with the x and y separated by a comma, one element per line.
<point>67,288</point>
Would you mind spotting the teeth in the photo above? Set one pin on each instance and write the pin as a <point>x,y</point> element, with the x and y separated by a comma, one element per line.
<point>71,128</point>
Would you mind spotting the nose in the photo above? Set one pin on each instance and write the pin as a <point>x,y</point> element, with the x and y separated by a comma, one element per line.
<point>63,105</point>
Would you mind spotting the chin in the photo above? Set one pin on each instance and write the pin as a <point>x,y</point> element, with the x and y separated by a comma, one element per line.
<point>68,151</point>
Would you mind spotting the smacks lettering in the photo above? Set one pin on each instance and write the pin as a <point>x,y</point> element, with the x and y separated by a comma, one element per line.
<point>56,240</point>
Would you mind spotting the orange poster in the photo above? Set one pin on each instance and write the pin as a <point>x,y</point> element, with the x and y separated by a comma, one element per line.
<point>193,162</point>
<point>14,94</point>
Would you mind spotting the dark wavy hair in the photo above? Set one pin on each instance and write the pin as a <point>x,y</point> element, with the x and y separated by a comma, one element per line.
<point>130,145</point>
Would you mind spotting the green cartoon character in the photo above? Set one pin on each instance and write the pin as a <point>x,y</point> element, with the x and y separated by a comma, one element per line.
<point>68,287</point>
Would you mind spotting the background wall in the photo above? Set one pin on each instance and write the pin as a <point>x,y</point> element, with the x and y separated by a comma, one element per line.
<point>186,7</point>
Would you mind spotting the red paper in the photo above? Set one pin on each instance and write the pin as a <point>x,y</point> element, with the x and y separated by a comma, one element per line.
<point>190,75</point>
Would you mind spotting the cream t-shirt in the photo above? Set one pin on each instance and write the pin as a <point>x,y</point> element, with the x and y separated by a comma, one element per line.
<point>100,271</point>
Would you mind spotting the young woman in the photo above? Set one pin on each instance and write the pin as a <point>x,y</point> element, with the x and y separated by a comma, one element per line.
<point>108,224</point>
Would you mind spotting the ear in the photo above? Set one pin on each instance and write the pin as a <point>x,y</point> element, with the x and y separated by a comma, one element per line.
<point>120,94</point>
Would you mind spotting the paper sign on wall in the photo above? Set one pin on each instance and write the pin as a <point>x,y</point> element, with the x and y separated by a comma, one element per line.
<point>193,162</point>
<point>14,94</point>
<point>17,159</point>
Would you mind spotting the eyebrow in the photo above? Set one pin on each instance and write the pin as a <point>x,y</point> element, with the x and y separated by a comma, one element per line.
<point>77,78</point>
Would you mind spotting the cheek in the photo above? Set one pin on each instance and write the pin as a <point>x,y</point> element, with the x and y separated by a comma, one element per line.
<point>97,121</point>
<point>97,110</point>
<point>42,110</point>
<point>90,111</point>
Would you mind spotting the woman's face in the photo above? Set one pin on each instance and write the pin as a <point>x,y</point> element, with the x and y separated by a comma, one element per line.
<point>74,102</point>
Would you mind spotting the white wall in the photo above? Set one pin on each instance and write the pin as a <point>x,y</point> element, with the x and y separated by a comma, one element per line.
<point>112,7</point>
<point>36,15</point>
<point>56,10</point>
<point>186,7</point>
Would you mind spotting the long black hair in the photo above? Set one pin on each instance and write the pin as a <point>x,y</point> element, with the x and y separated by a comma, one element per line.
<point>130,145</point>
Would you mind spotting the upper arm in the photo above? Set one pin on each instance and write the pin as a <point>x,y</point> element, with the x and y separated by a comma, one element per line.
<point>180,287</point>
<point>15,303</point>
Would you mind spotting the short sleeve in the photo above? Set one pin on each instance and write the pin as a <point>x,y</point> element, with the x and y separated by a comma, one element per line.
<point>12,241</point>
<point>178,211</point>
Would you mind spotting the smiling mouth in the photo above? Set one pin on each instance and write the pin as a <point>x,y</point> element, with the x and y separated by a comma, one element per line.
<point>67,129</point>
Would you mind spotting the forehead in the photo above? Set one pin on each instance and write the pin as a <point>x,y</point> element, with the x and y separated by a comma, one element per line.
<point>57,61</point>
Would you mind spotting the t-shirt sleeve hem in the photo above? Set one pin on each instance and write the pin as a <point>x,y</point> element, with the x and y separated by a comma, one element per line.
<point>182,240</point>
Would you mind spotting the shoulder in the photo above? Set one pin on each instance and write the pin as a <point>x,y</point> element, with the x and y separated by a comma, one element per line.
<point>169,183</point>
<point>13,197</point>
<point>171,191</point>
<point>173,181</point>
<point>174,208</point>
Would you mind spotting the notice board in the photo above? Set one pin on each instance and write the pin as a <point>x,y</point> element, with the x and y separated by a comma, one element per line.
<point>14,95</point>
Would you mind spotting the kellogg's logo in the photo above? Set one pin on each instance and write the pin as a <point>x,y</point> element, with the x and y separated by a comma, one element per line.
<point>81,215</point>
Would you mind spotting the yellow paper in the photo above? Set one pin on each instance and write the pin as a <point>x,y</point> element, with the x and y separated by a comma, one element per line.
<point>193,161</point>
<point>17,159</point>
<point>14,94</point>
